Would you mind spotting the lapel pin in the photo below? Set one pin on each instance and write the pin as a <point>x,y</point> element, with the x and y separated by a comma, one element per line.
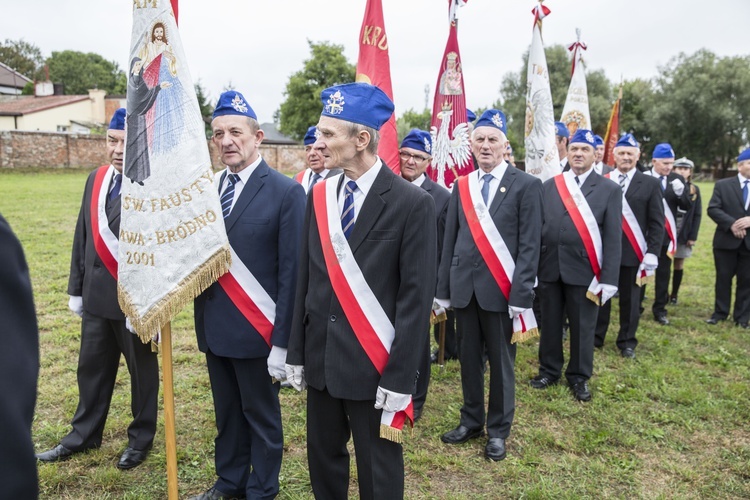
<point>502,189</point>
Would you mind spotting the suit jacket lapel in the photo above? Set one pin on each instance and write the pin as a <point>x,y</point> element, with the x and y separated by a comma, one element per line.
<point>738,191</point>
<point>505,183</point>
<point>635,184</point>
<point>254,185</point>
<point>371,208</point>
<point>591,181</point>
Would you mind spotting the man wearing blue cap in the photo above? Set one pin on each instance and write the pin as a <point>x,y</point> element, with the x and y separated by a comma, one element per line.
<point>243,324</point>
<point>501,205</point>
<point>643,232</point>
<point>730,209</point>
<point>364,293</point>
<point>315,170</point>
<point>675,196</point>
<point>562,137</point>
<point>579,265</point>
<point>92,287</point>
<point>415,154</point>
<point>599,166</point>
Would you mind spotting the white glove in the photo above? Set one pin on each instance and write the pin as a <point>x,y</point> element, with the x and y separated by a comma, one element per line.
<point>295,375</point>
<point>444,303</point>
<point>75,304</point>
<point>276,361</point>
<point>515,312</point>
<point>650,262</point>
<point>678,186</point>
<point>391,401</point>
<point>129,325</point>
<point>608,291</point>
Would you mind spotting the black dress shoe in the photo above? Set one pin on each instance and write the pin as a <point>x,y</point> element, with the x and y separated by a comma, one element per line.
<point>417,414</point>
<point>495,449</point>
<point>214,494</point>
<point>131,458</point>
<point>581,391</point>
<point>56,454</point>
<point>673,300</point>
<point>744,325</point>
<point>460,435</point>
<point>661,319</point>
<point>434,357</point>
<point>541,382</point>
<point>714,320</point>
<point>628,352</point>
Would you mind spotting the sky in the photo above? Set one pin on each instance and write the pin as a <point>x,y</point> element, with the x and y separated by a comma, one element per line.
<point>255,46</point>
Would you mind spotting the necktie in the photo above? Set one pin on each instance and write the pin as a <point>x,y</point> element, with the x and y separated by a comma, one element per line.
<point>313,180</point>
<point>486,187</point>
<point>228,197</point>
<point>623,178</point>
<point>662,183</point>
<point>578,183</point>
<point>347,216</point>
<point>745,193</point>
<point>117,182</point>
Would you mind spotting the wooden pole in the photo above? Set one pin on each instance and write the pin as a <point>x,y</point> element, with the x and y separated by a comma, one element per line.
<point>441,345</point>
<point>169,429</point>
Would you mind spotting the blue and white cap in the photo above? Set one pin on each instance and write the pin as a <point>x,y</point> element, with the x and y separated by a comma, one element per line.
<point>419,140</point>
<point>470,115</point>
<point>357,102</point>
<point>627,141</point>
<point>561,129</point>
<point>118,120</point>
<point>598,140</point>
<point>662,151</point>
<point>232,102</point>
<point>583,136</point>
<point>310,136</point>
<point>745,155</point>
<point>493,118</point>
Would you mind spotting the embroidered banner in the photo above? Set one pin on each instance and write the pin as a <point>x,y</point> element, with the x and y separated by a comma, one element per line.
<point>173,243</point>
<point>575,113</point>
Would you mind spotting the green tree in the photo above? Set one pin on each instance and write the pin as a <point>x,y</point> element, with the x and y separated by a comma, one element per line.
<point>301,108</point>
<point>636,107</point>
<point>79,72</point>
<point>204,103</point>
<point>22,56</point>
<point>702,107</point>
<point>513,94</point>
<point>411,119</point>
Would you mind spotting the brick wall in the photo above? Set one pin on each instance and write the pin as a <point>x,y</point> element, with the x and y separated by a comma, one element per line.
<point>20,150</point>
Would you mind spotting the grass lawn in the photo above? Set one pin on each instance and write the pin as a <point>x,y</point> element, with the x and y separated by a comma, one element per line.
<point>673,424</point>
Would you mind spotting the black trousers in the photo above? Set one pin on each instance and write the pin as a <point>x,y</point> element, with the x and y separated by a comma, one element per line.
<point>661,283</point>
<point>731,263</point>
<point>486,331</point>
<point>380,462</point>
<point>250,440</point>
<point>423,374</point>
<point>630,302</point>
<point>556,299</point>
<point>102,342</point>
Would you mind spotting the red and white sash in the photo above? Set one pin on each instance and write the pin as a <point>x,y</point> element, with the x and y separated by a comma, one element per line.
<point>635,236</point>
<point>367,318</point>
<point>494,251</point>
<point>249,297</point>
<point>671,228</point>
<point>585,223</point>
<point>300,176</point>
<point>106,243</point>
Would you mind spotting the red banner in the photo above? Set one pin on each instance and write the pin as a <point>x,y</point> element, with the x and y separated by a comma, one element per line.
<point>613,132</point>
<point>374,67</point>
<point>174,9</point>
<point>451,153</point>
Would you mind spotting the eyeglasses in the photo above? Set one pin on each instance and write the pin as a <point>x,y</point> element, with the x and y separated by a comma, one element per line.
<point>417,158</point>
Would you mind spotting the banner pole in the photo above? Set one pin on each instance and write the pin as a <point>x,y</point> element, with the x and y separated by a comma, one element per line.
<point>169,428</point>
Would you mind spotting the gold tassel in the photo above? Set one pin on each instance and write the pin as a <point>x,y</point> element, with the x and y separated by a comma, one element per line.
<point>173,302</point>
<point>391,433</point>
<point>592,297</point>
<point>520,336</point>
<point>644,281</point>
<point>435,319</point>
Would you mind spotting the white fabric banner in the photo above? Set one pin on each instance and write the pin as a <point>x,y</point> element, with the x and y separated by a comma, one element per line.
<point>173,242</point>
<point>542,159</point>
<point>575,113</point>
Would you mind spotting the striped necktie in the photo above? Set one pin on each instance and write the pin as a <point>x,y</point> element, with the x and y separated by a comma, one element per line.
<point>623,178</point>
<point>347,215</point>
<point>228,197</point>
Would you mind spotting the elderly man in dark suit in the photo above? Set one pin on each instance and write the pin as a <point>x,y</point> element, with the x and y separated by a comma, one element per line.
<point>243,321</point>
<point>315,170</point>
<point>643,232</point>
<point>469,280</point>
<point>675,195</point>
<point>579,265</point>
<point>92,287</point>
<point>19,369</point>
<point>364,294</point>
<point>730,209</point>
<point>415,155</point>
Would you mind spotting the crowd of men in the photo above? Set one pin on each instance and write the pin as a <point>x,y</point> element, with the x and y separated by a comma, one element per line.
<point>356,260</point>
